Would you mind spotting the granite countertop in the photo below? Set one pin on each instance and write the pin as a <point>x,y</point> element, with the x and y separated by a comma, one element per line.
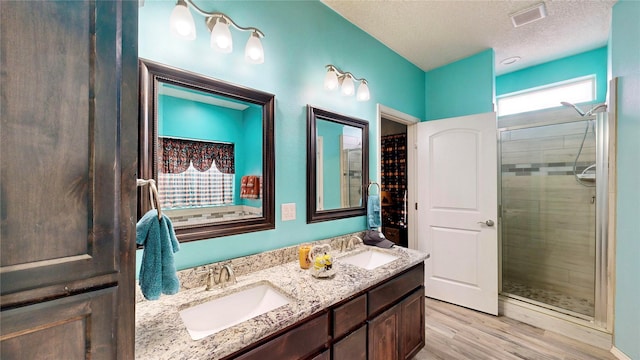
<point>161,334</point>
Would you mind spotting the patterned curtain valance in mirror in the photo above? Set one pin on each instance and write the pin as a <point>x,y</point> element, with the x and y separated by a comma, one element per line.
<point>177,154</point>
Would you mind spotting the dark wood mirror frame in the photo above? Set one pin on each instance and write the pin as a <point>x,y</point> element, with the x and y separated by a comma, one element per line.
<point>151,73</point>
<point>313,214</point>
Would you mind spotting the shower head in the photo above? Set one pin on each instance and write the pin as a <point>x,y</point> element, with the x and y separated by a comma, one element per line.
<point>564,103</point>
<point>583,114</point>
<point>594,109</point>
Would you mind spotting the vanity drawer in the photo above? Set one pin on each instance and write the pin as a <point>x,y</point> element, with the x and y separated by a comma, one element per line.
<point>352,347</point>
<point>297,343</point>
<point>394,289</point>
<point>349,315</point>
<point>326,355</point>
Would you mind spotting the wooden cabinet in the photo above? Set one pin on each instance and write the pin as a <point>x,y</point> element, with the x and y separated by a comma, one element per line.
<point>392,234</point>
<point>298,343</point>
<point>350,329</point>
<point>349,315</point>
<point>396,316</point>
<point>398,333</point>
<point>411,332</point>
<point>397,234</point>
<point>69,149</point>
<point>384,322</point>
<point>325,355</point>
<point>65,328</point>
<point>352,347</point>
<point>391,291</point>
<point>383,335</point>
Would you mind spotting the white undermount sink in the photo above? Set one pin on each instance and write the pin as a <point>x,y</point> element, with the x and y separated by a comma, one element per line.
<point>368,259</point>
<point>218,314</point>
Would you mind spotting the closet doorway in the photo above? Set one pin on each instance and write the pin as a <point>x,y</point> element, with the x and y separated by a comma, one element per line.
<point>393,181</point>
<point>395,159</point>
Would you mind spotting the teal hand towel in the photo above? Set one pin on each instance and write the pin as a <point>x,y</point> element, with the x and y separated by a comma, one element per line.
<point>373,211</point>
<point>158,271</point>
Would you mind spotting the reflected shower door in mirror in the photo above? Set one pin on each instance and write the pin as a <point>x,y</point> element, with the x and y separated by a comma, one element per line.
<point>337,165</point>
<point>209,145</point>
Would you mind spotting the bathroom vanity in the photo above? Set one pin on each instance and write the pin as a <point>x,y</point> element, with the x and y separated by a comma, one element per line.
<point>389,318</point>
<point>359,313</point>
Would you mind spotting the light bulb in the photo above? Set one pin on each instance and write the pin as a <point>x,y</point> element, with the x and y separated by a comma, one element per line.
<point>221,37</point>
<point>331,80</point>
<point>253,52</point>
<point>347,85</point>
<point>181,22</point>
<point>363,92</point>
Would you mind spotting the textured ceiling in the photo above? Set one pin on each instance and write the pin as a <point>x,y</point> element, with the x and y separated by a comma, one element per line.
<point>432,33</point>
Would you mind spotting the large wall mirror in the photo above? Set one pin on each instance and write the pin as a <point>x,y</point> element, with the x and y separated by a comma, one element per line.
<point>337,165</point>
<point>209,145</point>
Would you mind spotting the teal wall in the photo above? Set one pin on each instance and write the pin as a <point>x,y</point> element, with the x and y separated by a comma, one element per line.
<point>592,62</point>
<point>301,38</point>
<point>182,118</point>
<point>196,120</point>
<point>464,87</point>
<point>625,58</point>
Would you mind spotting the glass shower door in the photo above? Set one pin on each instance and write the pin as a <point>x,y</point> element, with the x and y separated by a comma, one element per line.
<point>548,202</point>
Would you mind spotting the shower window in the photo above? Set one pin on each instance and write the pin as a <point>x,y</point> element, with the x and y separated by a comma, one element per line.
<point>549,216</point>
<point>578,90</point>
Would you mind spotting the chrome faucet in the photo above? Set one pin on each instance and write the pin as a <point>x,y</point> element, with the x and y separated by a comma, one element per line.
<point>212,280</point>
<point>230,275</point>
<point>351,243</point>
<point>211,284</point>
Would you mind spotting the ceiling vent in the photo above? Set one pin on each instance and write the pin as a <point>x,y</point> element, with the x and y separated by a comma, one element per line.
<point>529,15</point>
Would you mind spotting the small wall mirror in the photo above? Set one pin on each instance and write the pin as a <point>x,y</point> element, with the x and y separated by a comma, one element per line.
<point>209,145</point>
<point>337,165</point>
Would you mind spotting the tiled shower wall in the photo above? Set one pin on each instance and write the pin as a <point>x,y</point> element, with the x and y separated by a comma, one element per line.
<point>548,224</point>
<point>199,215</point>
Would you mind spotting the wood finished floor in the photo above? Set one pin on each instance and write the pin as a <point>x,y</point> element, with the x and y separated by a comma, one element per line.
<point>455,332</point>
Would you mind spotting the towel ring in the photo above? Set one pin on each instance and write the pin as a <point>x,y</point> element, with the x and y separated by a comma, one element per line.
<point>153,194</point>
<point>369,187</point>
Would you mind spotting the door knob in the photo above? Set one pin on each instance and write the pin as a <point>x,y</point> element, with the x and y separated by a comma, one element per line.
<point>488,222</point>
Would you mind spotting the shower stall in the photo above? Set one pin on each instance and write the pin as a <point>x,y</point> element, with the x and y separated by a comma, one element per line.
<point>553,188</point>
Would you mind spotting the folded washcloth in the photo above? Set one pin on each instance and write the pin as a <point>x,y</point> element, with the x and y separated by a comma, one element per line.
<point>373,211</point>
<point>158,272</point>
<point>250,187</point>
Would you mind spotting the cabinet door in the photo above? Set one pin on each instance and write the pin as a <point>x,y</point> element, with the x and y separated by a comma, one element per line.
<point>383,335</point>
<point>326,355</point>
<point>352,347</point>
<point>412,331</point>
<point>68,106</point>
<point>75,327</point>
<point>297,343</point>
<point>61,127</point>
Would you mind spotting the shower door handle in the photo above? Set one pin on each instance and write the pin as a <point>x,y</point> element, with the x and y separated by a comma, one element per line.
<point>488,222</point>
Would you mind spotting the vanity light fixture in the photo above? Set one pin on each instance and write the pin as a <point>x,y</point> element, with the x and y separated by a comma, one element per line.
<point>183,26</point>
<point>336,77</point>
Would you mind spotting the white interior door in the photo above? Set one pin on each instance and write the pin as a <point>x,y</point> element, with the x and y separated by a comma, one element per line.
<point>457,210</point>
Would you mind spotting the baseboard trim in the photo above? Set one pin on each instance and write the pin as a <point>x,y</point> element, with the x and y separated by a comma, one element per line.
<point>544,319</point>
<point>619,354</point>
